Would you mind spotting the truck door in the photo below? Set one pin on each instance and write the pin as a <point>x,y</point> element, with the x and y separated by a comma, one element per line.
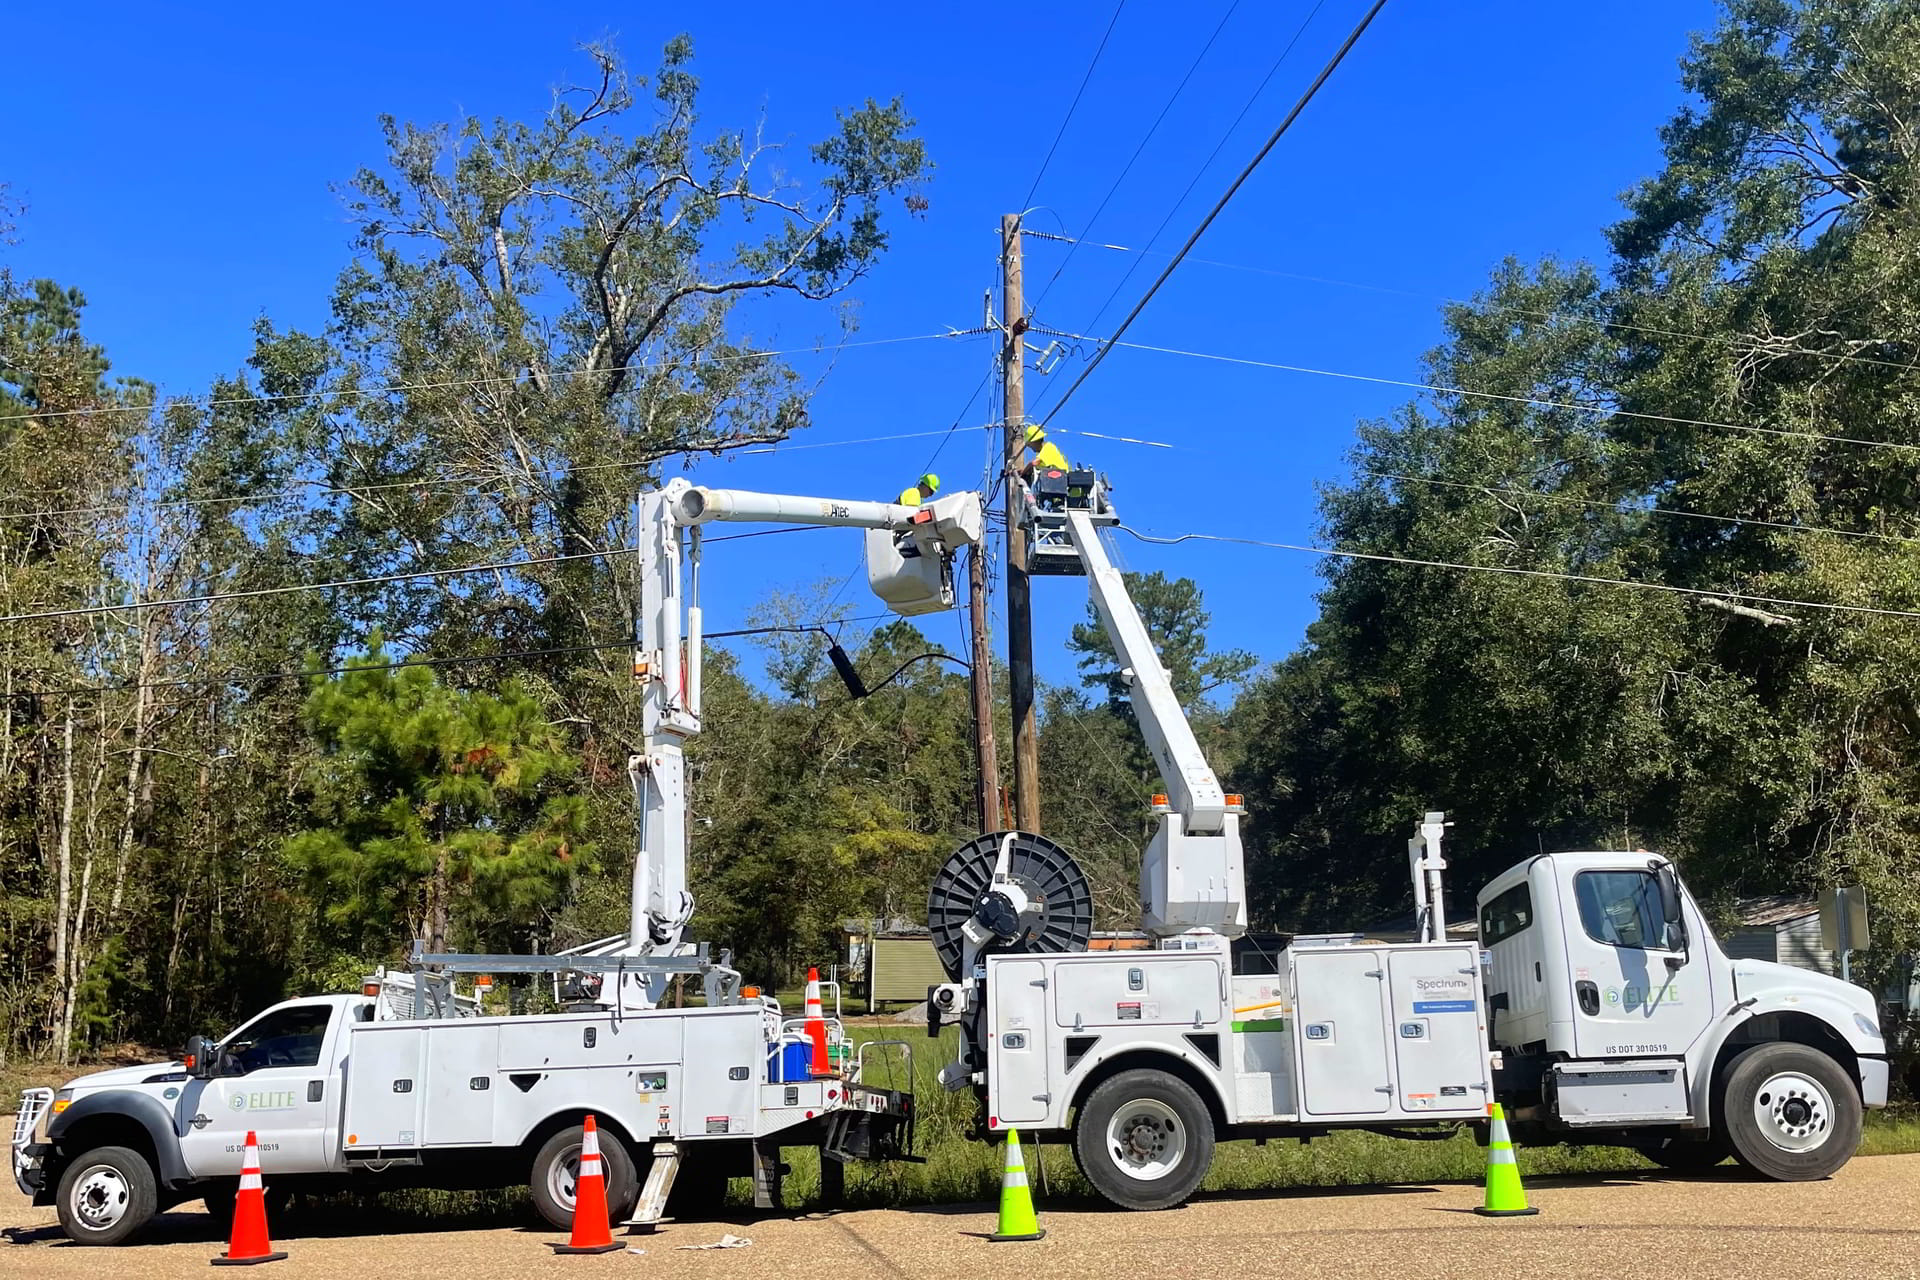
<point>1628,1001</point>
<point>276,1073</point>
<point>1017,1052</point>
<point>1340,995</point>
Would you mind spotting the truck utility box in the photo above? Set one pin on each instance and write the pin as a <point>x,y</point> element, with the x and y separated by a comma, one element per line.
<point>1342,1034</point>
<point>684,1074</point>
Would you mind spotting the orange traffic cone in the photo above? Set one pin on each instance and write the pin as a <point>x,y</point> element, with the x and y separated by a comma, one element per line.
<point>248,1243</point>
<point>817,1027</point>
<point>592,1231</point>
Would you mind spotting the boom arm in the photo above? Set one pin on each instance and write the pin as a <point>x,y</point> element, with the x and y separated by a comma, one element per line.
<point>1190,876</point>
<point>667,653</point>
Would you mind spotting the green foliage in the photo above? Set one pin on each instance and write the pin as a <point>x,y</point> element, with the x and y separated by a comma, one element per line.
<point>1766,278</point>
<point>445,814</point>
<point>1099,777</point>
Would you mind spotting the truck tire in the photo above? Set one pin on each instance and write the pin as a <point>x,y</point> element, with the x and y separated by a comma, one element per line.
<point>1144,1139</point>
<point>106,1195</point>
<point>557,1165</point>
<point>1790,1113</point>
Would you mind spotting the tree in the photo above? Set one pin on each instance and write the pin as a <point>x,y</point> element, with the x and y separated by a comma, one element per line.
<point>443,813</point>
<point>1744,356</point>
<point>1099,774</point>
<point>1177,622</point>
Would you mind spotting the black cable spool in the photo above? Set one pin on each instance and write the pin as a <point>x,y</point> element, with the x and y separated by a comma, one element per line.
<point>1059,915</point>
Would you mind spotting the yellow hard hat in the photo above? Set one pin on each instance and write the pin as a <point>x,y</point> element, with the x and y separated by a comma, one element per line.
<point>1035,434</point>
<point>930,482</point>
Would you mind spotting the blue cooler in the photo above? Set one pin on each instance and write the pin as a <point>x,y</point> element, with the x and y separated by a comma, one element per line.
<point>790,1063</point>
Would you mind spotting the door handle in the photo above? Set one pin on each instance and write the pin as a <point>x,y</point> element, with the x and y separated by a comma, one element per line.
<point>316,1090</point>
<point>1589,997</point>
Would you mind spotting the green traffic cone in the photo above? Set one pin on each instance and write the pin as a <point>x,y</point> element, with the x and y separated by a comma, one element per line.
<point>1017,1218</point>
<point>1506,1198</point>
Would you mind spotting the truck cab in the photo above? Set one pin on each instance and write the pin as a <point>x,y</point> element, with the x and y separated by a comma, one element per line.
<point>1618,1017</point>
<point>113,1147</point>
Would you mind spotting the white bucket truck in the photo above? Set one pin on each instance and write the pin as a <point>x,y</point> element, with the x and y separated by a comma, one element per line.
<point>408,1083</point>
<point>1597,1007</point>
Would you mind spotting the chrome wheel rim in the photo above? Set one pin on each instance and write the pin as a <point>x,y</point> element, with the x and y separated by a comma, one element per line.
<point>1793,1111</point>
<point>1146,1139</point>
<point>100,1197</point>
<point>563,1177</point>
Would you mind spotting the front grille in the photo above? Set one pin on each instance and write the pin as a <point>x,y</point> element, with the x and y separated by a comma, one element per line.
<point>33,1105</point>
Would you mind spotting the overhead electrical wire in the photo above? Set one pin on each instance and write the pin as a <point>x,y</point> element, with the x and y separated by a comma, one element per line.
<point>263,677</point>
<point>1731,596</point>
<point>1066,120</point>
<point>1245,107</point>
<point>1313,90</point>
<point>1628,509</point>
<point>1539,402</point>
<point>501,566</point>
<point>362,393</point>
<point>1838,357</point>
<point>1127,168</point>
<point>316,490</point>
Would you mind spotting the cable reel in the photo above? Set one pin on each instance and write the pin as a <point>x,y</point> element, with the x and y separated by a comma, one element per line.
<point>1042,903</point>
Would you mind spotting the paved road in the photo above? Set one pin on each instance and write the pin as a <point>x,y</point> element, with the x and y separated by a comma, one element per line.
<point>1863,1224</point>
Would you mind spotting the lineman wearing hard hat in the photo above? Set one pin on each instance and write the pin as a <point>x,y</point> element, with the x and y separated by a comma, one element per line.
<point>920,490</point>
<point>1046,454</point>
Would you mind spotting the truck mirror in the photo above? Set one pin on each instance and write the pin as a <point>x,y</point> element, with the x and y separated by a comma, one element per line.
<point>1675,938</point>
<point>201,1058</point>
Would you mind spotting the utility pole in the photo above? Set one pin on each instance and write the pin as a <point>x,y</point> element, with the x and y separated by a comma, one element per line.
<point>1013,408</point>
<point>986,755</point>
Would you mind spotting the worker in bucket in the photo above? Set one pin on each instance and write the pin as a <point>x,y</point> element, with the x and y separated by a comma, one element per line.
<point>920,490</point>
<point>1046,455</point>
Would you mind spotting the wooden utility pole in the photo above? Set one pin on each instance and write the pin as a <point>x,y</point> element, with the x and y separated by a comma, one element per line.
<point>986,755</point>
<point>1013,408</point>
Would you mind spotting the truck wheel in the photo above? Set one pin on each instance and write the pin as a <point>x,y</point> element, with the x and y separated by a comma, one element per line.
<point>1790,1113</point>
<point>106,1195</point>
<point>1685,1155</point>
<point>556,1168</point>
<point>1144,1139</point>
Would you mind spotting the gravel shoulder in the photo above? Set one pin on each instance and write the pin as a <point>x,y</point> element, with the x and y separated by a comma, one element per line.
<point>1864,1222</point>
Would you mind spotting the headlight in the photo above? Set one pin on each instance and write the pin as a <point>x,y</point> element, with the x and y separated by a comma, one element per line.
<point>62,1100</point>
<point>1868,1027</point>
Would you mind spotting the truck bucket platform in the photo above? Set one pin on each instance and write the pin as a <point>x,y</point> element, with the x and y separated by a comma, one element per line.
<point>1049,496</point>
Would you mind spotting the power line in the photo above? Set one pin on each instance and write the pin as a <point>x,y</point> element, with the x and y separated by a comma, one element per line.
<point>1731,340</point>
<point>1200,172</point>
<point>1728,596</point>
<point>1313,89</point>
<point>1627,509</point>
<point>1075,104</point>
<point>359,393</point>
<point>1128,167</point>
<point>317,490</point>
<point>1538,402</point>
<point>133,606</point>
<point>262,677</point>
<point>379,580</point>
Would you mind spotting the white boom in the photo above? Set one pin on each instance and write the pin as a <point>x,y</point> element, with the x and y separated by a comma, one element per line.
<point>1191,876</point>
<point>912,577</point>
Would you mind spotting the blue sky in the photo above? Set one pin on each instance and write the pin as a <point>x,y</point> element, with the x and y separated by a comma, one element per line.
<point>178,165</point>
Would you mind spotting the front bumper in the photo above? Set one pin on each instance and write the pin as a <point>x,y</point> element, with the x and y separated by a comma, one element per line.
<point>29,1154</point>
<point>1873,1081</point>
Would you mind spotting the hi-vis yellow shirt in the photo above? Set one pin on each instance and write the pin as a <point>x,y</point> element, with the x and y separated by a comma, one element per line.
<point>1049,457</point>
<point>910,496</point>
